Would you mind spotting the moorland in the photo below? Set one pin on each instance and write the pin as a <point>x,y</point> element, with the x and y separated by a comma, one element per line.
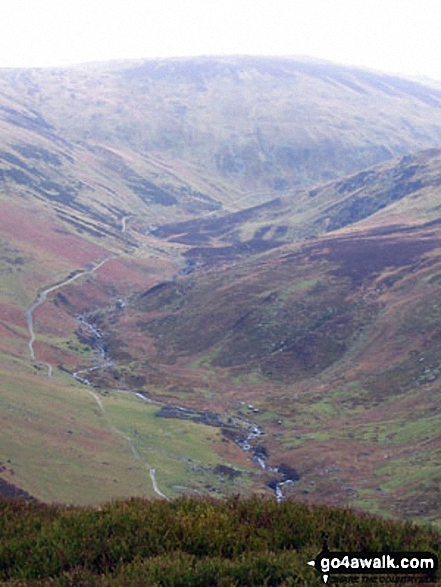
<point>221,276</point>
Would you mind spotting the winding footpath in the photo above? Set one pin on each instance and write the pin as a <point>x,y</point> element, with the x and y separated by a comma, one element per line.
<point>124,220</point>
<point>41,298</point>
<point>245,443</point>
<point>133,448</point>
<point>29,314</point>
<point>155,485</point>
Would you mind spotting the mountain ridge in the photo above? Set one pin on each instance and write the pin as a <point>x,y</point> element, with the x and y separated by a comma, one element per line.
<point>257,123</point>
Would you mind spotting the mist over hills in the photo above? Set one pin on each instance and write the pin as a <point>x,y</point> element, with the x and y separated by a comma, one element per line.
<point>201,255</point>
<point>260,124</point>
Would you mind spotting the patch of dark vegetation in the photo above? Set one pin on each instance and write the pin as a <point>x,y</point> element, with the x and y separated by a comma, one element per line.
<point>285,474</point>
<point>112,221</point>
<point>202,230</point>
<point>368,198</point>
<point>17,162</point>
<point>254,323</point>
<point>163,295</point>
<point>355,182</point>
<point>16,175</point>
<point>280,336</point>
<point>211,255</point>
<point>143,188</point>
<point>39,183</point>
<point>39,154</point>
<point>81,226</point>
<point>58,192</point>
<point>226,471</point>
<point>363,258</point>
<point>11,491</point>
<point>160,287</point>
<point>190,266</point>
<point>298,339</point>
<point>125,378</point>
<point>118,352</point>
<point>201,417</point>
<point>304,357</point>
<point>189,541</point>
<point>114,210</point>
<point>280,231</point>
<point>10,257</point>
<point>97,230</point>
<point>362,207</point>
<point>288,472</point>
<point>198,201</point>
<point>150,192</point>
<point>30,120</point>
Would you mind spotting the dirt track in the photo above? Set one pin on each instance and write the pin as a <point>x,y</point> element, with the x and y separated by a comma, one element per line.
<point>41,298</point>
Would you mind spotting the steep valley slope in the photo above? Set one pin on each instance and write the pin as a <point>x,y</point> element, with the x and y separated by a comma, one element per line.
<point>221,276</point>
<point>334,343</point>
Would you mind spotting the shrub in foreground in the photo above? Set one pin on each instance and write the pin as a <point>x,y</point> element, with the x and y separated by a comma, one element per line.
<point>187,542</point>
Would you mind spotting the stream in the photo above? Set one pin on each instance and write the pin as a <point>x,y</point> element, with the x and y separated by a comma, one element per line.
<point>247,432</point>
<point>41,298</point>
<point>260,456</point>
<point>245,441</point>
<point>98,345</point>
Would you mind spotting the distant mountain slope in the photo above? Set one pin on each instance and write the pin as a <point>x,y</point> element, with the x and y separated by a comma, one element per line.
<point>90,188</point>
<point>264,125</point>
<point>402,192</point>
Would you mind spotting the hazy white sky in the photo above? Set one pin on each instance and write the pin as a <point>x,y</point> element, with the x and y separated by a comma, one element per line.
<point>401,36</point>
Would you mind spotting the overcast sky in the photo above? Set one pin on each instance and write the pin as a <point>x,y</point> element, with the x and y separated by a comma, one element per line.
<point>398,36</point>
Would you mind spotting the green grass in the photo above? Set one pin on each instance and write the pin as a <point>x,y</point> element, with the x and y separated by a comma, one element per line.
<point>187,542</point>
<point>59,446</point>
<point>182,452</point>
<point>62,447</point>
<point>412,471</point>
<point>425,427</point>
<point>13,290</point>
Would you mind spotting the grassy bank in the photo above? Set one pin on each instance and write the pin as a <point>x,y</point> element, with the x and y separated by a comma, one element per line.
<point>200,542</point>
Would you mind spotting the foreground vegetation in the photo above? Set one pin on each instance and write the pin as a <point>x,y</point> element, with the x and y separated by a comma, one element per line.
<point>186,542</point>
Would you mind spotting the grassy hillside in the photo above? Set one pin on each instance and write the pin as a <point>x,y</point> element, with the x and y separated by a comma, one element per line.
<point>189,542</point>
<point>247,127</point>
<point>72,223</point>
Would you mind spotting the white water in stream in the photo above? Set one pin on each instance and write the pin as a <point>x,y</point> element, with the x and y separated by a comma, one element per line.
<point>245,443</point>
